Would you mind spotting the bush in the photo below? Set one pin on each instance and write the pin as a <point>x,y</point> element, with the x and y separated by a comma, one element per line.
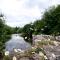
<point>7,58</point>
<point>45,42</point>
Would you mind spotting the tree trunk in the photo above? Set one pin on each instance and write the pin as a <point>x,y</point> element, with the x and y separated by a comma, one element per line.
<point>1,56</point>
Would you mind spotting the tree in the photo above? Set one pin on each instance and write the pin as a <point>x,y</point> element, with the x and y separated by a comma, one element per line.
<point>27,32</point>
<point>51,18</point>
<point>4,35</point>
<point>38,25</point>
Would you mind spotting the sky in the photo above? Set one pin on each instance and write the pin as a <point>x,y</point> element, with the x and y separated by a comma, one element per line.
<point>21,12</point>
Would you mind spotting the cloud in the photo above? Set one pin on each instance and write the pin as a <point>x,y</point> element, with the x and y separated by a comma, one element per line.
<point>21,12</point>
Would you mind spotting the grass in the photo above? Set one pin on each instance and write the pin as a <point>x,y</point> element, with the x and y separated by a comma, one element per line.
<point>7,58</point>
<point>45,42</point>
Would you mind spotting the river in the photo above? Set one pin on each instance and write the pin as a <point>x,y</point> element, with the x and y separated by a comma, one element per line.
<point>17,42</point>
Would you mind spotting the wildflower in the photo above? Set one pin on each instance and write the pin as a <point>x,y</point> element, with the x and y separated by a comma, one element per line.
<point>20,50</point>
<point>33,47</point>
<point>55,43</point>
<point>48,39</point>
<point>41,54</point>
<point>14,58</point>
<point>15,50</point>
<point>53,55</point>
<point>25,37</point>
<point>33,52</point>
<point>6,53</point>
<point>45,57</point>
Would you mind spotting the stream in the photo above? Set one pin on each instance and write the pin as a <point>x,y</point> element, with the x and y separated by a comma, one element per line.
<point>17,42</point>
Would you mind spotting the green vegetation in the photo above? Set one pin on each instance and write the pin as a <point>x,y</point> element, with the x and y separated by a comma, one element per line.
<point>7,58</point>
<point>49,24</point>
<point>52,20</point>
<point>5,34</point>
<point>45,42</point>
<point>27,32</point>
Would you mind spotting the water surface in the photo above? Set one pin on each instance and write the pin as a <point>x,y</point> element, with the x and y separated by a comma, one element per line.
<point>17,42</point>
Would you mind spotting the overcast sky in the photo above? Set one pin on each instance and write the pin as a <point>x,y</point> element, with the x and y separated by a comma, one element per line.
<point>21,12</point>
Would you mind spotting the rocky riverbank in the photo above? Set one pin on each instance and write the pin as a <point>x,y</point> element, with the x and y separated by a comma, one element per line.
<point>46,49</point>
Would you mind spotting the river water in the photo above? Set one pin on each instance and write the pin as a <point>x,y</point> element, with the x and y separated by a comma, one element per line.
<point>17,42</point>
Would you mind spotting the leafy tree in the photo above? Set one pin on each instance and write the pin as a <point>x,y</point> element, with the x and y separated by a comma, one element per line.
<point>15,29</point>
<point>4,34</point>
<point>52,20</point>
<point>38,25</point>
<point>49,23</point>
<point>20,30</point>
<point>27,32</point>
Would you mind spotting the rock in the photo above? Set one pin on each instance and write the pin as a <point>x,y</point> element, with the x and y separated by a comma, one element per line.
<point>24,58</point>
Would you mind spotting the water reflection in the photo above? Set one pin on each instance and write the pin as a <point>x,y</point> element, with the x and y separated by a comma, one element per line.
<point>17,42</point>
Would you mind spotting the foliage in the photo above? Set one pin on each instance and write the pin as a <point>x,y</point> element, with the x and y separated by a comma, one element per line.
<point>38,25</point>
<point>7,58</point>
<point>45,42</point>
<point>48,24</point>
<point>52,20</point>
<point>39,49</point>
<point>27,32</point>
<point>5,33</point>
